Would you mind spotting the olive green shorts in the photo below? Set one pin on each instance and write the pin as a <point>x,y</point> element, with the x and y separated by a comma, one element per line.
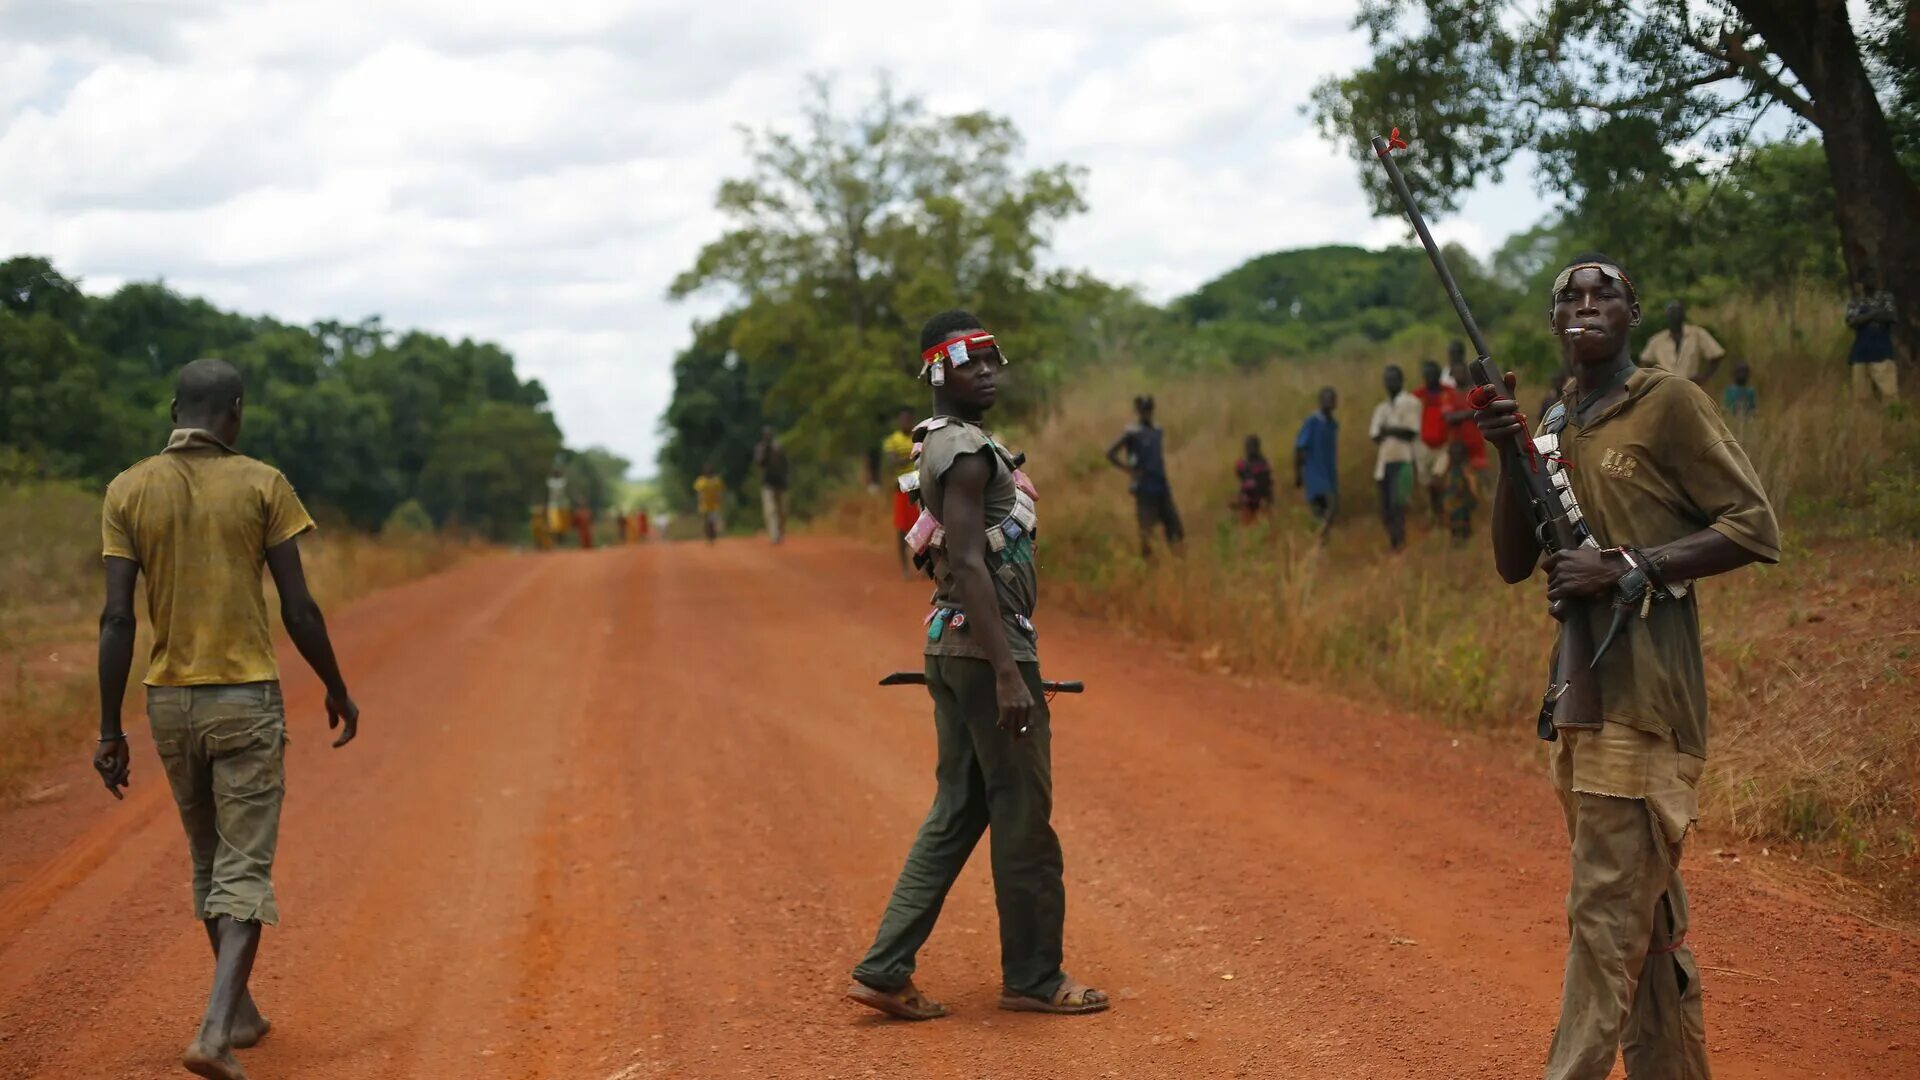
<point>224,752</point>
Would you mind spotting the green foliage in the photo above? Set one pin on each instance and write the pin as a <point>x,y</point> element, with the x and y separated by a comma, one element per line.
<point>407,519</point>
<point>353,414</point>
<point>844,237</point>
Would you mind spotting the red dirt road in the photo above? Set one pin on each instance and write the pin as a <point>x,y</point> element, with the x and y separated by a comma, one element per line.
<point>634,813</point>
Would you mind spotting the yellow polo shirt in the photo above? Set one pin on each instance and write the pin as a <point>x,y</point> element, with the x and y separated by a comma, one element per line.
<point>199,519</point>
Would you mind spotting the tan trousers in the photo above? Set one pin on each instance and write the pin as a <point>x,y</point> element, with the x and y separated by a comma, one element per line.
<point>1879,379</point>
<point>1631,982</point>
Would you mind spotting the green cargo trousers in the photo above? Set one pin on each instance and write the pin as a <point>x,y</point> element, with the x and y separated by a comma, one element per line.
<point>986,777</point>
<point>1632,986</point>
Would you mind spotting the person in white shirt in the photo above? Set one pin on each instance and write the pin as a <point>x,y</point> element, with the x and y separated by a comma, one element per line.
<point>1394,430</point>
<point>1683,348</point>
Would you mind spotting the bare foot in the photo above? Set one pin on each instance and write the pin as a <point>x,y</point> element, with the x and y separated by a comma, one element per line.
<point>203,1060</point>
<point>249,1029</point>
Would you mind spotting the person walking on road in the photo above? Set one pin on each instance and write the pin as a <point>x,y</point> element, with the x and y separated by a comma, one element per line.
<point>1146,463</point>
<point>989,712</point>
<point>1395,429</point>
<point>1657,474</point>
<point>896,456</point>
<point>199,520</point>
<point>771,458</point>
<point>708,492</point>
<point>1316,461</point>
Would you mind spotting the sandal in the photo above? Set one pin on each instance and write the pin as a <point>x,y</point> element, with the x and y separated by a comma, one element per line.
<point>1071,999</point>
<point>906,1003</point>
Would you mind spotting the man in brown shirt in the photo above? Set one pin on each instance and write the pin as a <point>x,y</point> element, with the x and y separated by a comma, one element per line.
<point>1663,486</point>
<point>199,520</point>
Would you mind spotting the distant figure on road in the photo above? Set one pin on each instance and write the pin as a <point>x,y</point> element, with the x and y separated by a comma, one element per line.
<point>642,526</point>
<point>583,525</point>
<point>557,517</point>
<point>1395,429</point>
<point>709,490</point>
<point>990,716</point>
<point>1740,399</point>
<point>1316,461</point>
<point>1658,473</point>
<point>1683,348</point>
<point>771,458</point>
<point>1871,316</point>
<point>199,520</point>
<point>1146,463</point>
<point>896,457</point>
<point>537,527</point>
<point>1255,475</point>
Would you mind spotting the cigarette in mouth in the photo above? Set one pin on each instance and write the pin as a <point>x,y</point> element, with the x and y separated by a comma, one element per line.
<point>1575,331</point>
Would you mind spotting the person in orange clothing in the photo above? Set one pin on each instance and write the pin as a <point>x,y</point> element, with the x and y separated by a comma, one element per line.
<point>583,525</point>
<point>642,526</point>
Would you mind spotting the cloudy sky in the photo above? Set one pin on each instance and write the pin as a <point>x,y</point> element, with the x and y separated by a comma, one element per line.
<point>535,173</point>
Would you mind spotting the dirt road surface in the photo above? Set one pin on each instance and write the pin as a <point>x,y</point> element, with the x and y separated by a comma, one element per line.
<point>634,813</point>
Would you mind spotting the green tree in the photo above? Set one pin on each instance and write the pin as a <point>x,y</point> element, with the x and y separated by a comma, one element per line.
<point>847,235</point>
<point>1612,96</point>
<point>488,467</point>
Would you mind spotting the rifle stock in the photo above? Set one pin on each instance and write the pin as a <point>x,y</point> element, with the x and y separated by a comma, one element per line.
<point>1574,698</point>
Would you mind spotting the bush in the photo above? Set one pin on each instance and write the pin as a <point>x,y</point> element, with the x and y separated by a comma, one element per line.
<point>407,519</point>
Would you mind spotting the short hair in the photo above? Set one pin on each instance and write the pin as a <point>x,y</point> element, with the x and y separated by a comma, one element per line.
<point>945,325</point>
<point>1597,258</point>
<point>208,386</point>
<point>1144,401</point>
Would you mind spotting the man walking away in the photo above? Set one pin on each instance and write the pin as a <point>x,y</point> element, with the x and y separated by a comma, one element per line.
<point>1684,349</point>
<point>199,520</point>
<point>1394,430</point>
<point>995,768</point>
<point>1871,316</point>
<point>1665,487</point>
<point>709,490</point>
<point>771,458</point>
<point>1316,461</point>
<point>896,456</point>
<point>1146,463</point>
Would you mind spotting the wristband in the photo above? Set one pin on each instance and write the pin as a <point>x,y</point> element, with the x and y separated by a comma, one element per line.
<point>121,737</point>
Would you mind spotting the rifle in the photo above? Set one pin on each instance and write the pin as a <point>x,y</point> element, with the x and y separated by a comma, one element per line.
<point>1573,697</point>
<point>916,678</point>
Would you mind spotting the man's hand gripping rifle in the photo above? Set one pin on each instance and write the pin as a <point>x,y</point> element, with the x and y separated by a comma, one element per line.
<point>1573,697</point>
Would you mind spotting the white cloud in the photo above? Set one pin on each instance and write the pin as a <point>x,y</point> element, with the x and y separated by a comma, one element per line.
<point>536,174</point>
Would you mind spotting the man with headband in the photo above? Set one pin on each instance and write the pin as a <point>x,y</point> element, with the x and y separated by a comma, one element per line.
<point>1670,498</point>
<point>976,537</point>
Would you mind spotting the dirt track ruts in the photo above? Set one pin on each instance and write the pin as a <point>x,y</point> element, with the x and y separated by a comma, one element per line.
<point>633,814</point>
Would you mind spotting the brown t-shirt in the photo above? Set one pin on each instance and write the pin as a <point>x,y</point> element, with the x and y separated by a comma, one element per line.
<point>199,519</point>
<point>1014,582</point>
<point>1658,466</point>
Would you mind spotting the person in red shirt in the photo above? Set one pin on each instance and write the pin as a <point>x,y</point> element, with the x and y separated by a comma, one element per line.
<point>1464,477</point>
<point>583,524</point>
<point>1430,453</point>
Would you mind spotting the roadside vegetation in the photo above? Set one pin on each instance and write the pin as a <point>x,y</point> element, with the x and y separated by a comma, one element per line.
<point>50,596</point>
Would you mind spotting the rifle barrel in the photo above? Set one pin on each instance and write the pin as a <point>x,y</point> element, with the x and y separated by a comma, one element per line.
<point>1385,152</point>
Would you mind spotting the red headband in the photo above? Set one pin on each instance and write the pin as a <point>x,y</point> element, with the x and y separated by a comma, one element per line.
<point>967,342</point>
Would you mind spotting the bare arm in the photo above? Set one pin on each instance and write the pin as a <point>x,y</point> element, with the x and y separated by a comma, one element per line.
<point>963,514</point>
<point>1113,453</point>
<point>308,629</point>
<point>1587,572</point>
<point>117,624</point>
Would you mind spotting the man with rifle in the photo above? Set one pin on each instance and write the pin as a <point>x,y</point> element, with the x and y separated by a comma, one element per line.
<point>1668,497</point>
<point>1635,490</point>
<point>975,535</point>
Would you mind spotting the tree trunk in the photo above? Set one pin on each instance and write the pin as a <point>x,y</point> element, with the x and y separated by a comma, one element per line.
<point>1877,200</point>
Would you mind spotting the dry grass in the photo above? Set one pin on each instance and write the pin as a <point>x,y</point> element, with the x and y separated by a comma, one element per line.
<point>50,594</point>
<point>1810,664</point>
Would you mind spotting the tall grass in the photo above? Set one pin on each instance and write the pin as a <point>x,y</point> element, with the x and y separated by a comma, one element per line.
<point>50,582</point>
<point>1810,664</point>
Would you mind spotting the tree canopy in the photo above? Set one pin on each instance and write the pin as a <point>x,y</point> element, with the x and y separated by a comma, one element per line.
<point>361,419</point>
<point>1630,108</point>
